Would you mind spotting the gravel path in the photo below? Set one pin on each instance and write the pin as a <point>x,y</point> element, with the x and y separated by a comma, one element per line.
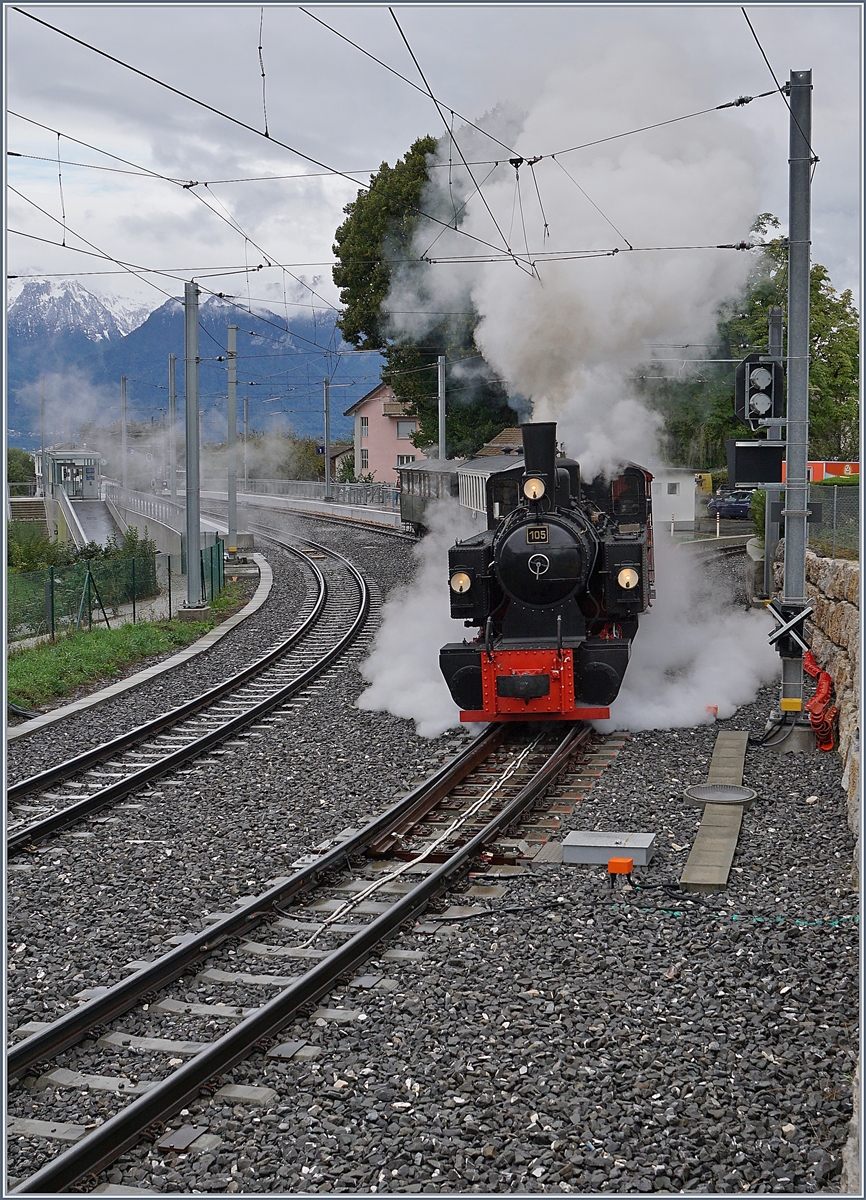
<point>622,1044</point>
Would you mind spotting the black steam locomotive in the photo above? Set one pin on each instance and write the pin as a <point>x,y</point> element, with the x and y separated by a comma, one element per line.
<point>555,585</point>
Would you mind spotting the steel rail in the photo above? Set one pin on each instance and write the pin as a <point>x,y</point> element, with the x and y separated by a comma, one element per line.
<point>120,1132</point>
<point>39,830</point>
<point>81,762</point>
<point>119,998</point>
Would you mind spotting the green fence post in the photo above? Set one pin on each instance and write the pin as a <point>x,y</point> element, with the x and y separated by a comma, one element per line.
<point>203,576</point>
<point>89,603</point>
<point>51,599</point>
<point>211,574</point>
<point>169,587</point>
<point>133,591</point>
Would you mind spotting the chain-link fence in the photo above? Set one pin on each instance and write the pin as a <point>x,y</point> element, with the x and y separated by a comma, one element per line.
<point>84,595</point>
<point>837,534</point>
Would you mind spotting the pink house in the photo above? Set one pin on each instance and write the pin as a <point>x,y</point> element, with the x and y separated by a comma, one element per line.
<point>383,431</point>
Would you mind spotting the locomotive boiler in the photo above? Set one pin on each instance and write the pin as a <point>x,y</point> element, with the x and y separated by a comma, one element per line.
<point>554,585</point>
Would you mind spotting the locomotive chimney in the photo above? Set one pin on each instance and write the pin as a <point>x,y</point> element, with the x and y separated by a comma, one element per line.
<point>539,450</point>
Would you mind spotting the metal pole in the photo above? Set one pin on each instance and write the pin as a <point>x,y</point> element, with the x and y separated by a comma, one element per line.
<point>193,498</point>
<point>328,495</point>
<point>835,503</point>
<point>246,439</point>
<point>232,440</point>
<point>774,433</point>
<point>796,472</point>
<point>442,453</point>
<point>172,426</point>
<point>42,459</point>
<point>124,472</point>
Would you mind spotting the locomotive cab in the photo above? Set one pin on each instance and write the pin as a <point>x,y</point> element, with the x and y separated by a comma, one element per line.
<point>554,586</point>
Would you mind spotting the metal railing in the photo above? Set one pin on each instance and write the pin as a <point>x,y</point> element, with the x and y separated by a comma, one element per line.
<point>70,516</point>
<point>158,508</point>
<point>371,495</point>
<point>837,534</point>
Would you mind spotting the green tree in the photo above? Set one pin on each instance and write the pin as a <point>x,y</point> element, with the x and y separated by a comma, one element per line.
<point>699,414</point>
<point>19,465</point>
<point>377,235</point>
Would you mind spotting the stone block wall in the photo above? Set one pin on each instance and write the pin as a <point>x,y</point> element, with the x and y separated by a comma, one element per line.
<point>834,634</point>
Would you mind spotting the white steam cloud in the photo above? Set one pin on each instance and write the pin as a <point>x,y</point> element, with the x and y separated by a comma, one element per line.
<point>570,337</point>
<point>403,668</point>
<point>693,654</point>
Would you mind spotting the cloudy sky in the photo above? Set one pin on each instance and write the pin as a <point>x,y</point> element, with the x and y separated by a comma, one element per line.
<point>326,99</point>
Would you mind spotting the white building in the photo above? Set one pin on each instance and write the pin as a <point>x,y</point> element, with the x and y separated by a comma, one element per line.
<point>674,498</point>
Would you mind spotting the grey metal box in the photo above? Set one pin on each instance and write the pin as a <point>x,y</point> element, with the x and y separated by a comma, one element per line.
<point>592,846</point>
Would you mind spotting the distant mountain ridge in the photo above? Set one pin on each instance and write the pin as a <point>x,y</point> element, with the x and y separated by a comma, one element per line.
<point>82,344</point>
<point>38,306</point>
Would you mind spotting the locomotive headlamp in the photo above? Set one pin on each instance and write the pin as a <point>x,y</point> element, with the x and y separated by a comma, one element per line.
<point>628,578</point>
<point>533,489</point>
<point>460,582</point>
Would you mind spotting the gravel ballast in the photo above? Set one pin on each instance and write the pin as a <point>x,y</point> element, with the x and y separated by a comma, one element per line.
<point>621,1042</point>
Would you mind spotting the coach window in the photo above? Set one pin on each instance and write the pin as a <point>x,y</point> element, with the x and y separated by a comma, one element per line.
<point>365,426</point>
<point>365,459</point>
<point>405,429</point>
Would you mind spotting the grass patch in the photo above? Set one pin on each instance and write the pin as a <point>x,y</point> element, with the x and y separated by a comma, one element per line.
<point>40,674</point>
<point>233,597</point>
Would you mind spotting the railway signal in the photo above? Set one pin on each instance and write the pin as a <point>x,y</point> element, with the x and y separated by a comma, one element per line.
<point>759,387</point>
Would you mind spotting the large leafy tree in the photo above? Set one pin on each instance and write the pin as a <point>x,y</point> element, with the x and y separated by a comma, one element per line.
<point>376,236</point>
<point>699,412</point>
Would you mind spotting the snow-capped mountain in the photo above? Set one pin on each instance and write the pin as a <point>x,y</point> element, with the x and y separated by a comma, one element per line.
<point>49,306</point>
<point>78,346</point>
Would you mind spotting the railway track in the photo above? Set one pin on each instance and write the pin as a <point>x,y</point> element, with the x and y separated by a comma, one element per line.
<point>337,607</point>
<point>329,917</point>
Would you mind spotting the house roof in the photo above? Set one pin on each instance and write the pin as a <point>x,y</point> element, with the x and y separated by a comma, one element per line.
<point>509,441</point>
<point>381,389</point>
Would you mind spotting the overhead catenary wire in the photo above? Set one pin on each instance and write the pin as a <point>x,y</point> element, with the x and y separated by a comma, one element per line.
<point>228,116</point>
<point>60,185</point>
<point>592,202</point>
<point>262,65</point>
<point>411,82</point>
<point>481,195</point>
<point>227,218</point>
<point>779,88</point>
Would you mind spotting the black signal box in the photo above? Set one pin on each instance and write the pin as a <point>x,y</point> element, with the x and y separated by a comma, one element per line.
<point>755,464</point>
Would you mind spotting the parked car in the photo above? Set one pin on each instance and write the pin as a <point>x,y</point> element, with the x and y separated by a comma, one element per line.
<point>736,505</point>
